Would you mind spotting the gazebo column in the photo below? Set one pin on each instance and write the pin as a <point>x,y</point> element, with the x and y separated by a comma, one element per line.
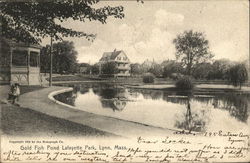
<point>38,60</point>
<point>11,55</point>
<point>28,67</point>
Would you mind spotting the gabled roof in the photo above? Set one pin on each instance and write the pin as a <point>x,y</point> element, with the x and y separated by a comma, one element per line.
<point>110,55</point>
<point>115,54</point>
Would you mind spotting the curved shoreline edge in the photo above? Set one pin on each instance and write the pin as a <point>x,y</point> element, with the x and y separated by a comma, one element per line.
<point>44,102</point>
<point>54,93</point>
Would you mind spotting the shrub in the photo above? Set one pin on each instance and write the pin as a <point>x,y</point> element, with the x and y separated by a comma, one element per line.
<point>176,76</point>
<point>184,83</point>
<point>148,78</point>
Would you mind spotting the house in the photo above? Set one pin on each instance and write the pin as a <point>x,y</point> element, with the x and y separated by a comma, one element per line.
<point>83,68</point>
<point>19,63</point>
<point>121,60</point>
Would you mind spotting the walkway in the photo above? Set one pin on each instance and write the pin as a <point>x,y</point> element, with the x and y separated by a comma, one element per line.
<point>39,101</point>
<point>4,91</point>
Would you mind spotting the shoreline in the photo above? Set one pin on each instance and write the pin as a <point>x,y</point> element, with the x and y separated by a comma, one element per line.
<point>41,103</point>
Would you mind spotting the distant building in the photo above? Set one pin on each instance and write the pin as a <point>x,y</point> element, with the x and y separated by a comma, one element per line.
<point>83,68</point>
<point>121,60</point>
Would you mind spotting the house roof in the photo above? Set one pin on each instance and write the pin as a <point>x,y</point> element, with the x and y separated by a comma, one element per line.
<point>110,55</point>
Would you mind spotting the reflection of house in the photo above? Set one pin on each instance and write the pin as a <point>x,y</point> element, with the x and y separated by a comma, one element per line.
<point>19,62</point>
<point>114,104</point>
<point>120,105</point>
<point>116,100</point>
<point>121,60</point>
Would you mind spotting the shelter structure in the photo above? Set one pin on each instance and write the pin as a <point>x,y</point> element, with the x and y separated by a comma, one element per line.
<point>19,63</point>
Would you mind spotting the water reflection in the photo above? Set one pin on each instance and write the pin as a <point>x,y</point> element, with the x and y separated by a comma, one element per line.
<point>191,122</point>
<point>114,99</point>
<point>168,109</point>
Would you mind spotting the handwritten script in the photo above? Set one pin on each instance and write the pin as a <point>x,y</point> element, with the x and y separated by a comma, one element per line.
<point>211,146</point>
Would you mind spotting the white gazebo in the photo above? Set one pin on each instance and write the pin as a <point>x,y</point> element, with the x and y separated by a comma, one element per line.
<point>20,63</point>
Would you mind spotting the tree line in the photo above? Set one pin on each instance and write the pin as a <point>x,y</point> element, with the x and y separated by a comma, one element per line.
<point>214,70</point>
<point>64,58</point>
<point>193,59</point>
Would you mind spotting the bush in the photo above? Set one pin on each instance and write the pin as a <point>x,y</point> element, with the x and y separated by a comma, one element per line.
<point>176,76</point>
<point>184,83</point>
<point>148,78</point>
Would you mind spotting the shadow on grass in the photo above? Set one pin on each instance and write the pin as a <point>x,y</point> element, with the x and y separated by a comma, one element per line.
<point>18,121</point>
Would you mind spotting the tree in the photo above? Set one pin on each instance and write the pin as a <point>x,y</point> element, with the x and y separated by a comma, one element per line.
<point>84,68</point>
<point>171,67</point>
<point>238,75</point>
<point>202,70</point>
<point>44,58</point>
<point>136,69</point>
<point>192,48</point>
<point>156,69</point>
<point>95,69</point>
<point>109,68</point>
<point>64,57</point>
<point>31,20</point>
<point>220,69</point>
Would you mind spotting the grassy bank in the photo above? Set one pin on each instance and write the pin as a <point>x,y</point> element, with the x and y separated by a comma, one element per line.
<point>18,121</point>
<point>131,80</point>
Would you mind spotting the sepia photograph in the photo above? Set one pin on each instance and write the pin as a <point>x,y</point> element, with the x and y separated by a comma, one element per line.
<point>124,81</point>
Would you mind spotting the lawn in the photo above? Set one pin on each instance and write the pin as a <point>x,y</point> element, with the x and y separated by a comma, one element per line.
<point>19,121</point>
<point>129,80</point>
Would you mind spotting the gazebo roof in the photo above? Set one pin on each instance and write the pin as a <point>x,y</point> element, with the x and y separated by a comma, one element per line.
<point>12,43</point>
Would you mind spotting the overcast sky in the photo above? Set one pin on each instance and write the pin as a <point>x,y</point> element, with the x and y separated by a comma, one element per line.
<point>148,29</point>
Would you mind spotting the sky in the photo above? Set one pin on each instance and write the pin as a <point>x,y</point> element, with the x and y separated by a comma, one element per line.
<point>148,29</point>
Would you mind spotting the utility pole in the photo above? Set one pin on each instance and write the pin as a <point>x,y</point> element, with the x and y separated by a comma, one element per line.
<point>249,68</point>
<point>51,55</point>
<point>51,61</point>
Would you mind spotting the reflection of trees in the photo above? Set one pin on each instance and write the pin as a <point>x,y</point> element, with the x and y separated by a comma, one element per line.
<point>133,93</point>
<point>192,122</point>
<point>67,97</point>
<point>236,104</point>
<point>116,97</point>
<point>176,97</point>
<point>151,94</point>
<point>204,100</point>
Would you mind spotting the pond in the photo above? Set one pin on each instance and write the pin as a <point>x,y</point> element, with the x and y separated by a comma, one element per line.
<point>166,109</point>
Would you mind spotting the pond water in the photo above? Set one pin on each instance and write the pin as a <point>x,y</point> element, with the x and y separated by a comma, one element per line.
<point>167,109</point>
